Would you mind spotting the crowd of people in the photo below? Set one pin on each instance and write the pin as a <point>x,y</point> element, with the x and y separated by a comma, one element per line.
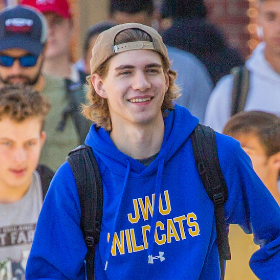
<point>136,97</point>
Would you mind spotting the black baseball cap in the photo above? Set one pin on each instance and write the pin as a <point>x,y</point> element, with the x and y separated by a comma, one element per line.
<point>23,27</point>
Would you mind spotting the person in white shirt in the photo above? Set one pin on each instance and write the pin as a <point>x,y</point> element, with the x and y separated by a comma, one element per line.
<point>264,67</point>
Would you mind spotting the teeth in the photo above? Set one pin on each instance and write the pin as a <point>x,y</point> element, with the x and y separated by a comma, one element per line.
<point>140,99</point>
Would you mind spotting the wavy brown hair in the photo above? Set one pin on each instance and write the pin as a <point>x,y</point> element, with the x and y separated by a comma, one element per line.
<point>97,109</point>
<point>20,102</point>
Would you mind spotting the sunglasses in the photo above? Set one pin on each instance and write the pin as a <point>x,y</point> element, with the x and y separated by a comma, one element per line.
<point>25,61</point>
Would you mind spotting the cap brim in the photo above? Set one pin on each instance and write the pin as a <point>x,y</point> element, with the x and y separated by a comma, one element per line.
<point>18,42</point>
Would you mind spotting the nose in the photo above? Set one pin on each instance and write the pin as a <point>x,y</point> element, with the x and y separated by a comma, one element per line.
<point>140,81</point>
<point>16,68</point>
<point>19,155</point>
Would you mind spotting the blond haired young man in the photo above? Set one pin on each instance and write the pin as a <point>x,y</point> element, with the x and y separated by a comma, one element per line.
<point>158,222</point>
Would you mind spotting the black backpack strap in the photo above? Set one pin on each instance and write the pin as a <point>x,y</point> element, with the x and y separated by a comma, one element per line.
<point>207,161</point>
<point>46,175</point>
<point>89,184</point>
<point>76,97</point>
<point>240,89</point>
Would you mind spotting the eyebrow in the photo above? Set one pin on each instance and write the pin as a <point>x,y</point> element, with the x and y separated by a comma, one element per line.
<point>10,139</point>
<point>129,66</point>
<point>248,147</point>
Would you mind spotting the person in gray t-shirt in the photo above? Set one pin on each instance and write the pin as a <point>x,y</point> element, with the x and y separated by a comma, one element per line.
<point>22,115</point>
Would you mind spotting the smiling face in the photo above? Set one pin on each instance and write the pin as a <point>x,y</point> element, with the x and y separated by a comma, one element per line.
<point>134,87</point>
<point>20,147</point>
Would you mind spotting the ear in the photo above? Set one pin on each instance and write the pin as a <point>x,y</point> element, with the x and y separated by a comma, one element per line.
<point>276,160</point>
<point>97,83</point>
<point>43,138</point>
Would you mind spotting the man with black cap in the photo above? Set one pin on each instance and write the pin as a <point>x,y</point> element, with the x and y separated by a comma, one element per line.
<point>23,37</point>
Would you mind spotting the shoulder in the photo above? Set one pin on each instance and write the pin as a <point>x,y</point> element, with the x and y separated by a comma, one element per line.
<point>227,146</point>
<point>224,84</point>
<point>63,183</point>
<point>189,68</point>
<point>231,156</point>
<point>54,79</point>
<point>218,107</point>
<point>221,92</point>
<point>52,83</point>
<point>63,171</point>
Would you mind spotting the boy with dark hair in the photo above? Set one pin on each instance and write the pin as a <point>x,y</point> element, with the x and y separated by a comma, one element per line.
<point>259,135</point>
<point>158,222</point>
<point>22,116</point>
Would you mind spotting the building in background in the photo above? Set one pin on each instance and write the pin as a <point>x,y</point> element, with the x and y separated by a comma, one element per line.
<point>236,18</point>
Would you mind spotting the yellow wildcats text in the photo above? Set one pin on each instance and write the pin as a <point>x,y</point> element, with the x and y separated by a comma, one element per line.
<point>175,229</point>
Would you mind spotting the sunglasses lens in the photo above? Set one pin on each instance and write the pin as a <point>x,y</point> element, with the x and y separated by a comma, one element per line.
<point>28,60</point>
<point>25,61</point>
<point>6,61</point>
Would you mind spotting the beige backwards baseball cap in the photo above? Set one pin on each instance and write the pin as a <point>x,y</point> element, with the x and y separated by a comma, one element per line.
<point>104,47</point>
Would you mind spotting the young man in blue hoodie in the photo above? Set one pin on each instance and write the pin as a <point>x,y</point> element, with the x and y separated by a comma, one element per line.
<point>158,222</point>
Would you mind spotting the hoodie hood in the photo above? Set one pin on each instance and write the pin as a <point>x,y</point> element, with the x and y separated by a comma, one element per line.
<point>179,124</point>
<point>260,66</point>
<point>124,171</point>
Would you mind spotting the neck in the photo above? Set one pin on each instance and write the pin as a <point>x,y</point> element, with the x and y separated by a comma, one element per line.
<point>11,194</point>
<point>140,142</point>
<point>58,66</point>
<point>273,59</point>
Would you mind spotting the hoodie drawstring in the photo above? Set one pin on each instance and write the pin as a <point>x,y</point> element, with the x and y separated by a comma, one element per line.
<point>154,218</point>
<point>155,211</point>
<point>108,249</point>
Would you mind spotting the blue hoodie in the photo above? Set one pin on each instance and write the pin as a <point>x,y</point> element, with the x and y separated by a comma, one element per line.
<point>166,198</point>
